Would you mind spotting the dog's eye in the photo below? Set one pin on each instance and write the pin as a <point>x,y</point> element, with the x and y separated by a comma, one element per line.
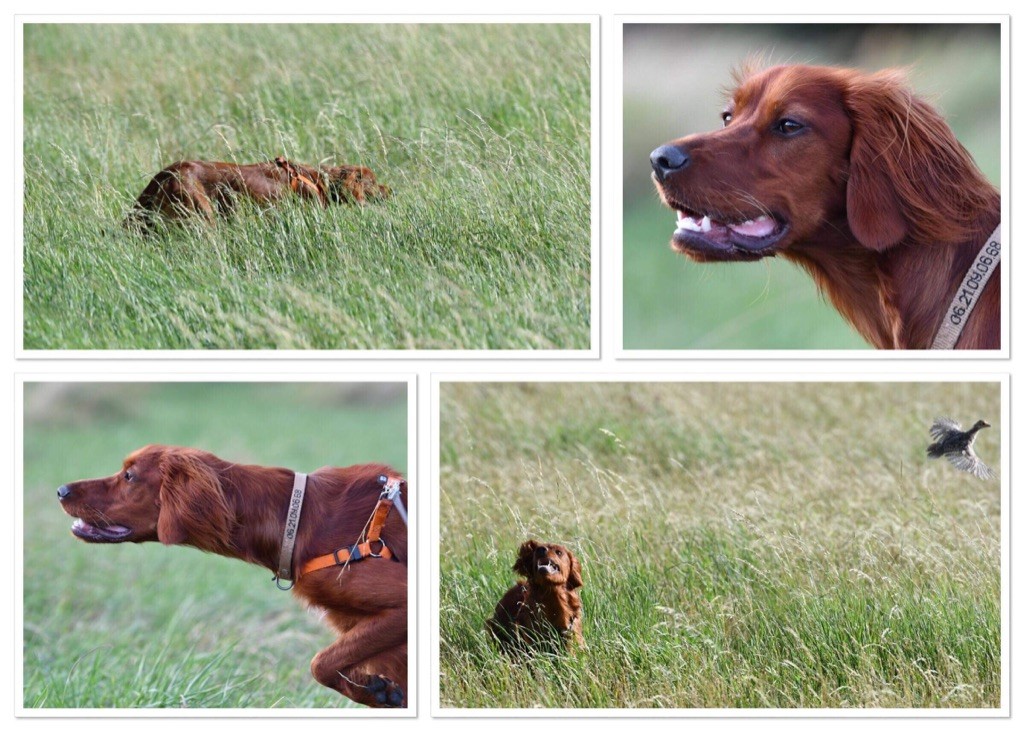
<point>726,118</point>
<point>129,475</point>
<point>788,126</point>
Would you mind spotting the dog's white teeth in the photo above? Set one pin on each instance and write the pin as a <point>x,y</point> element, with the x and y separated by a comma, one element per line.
<point>686,223</point>
<point>703,225</point>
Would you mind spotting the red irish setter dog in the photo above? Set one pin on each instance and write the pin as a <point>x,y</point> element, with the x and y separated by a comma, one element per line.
<point>854,178</point>
<point>178,495</point>
<point>544,610</point>
<point>200,187</point>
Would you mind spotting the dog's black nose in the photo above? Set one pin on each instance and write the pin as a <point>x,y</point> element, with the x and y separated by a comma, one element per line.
<point>541,551</point>
<point>63,491</point>
<point>669,159</point>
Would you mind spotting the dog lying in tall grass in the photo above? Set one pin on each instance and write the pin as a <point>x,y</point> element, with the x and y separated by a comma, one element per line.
<point>545,610</point>
<point>202,188</point>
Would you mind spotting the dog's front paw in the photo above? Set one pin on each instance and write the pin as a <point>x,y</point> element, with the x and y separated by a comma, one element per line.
<point>386,692</point>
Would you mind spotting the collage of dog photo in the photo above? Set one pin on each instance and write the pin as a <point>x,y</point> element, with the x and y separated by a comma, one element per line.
<point>581,367</point>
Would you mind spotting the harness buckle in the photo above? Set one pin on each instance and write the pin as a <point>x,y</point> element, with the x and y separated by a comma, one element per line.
<point>353,555</point>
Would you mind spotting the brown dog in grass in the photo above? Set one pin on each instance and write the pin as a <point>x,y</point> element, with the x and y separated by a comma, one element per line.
<point>545,610</point>
<point>204,188</point>
<point>184,496</point>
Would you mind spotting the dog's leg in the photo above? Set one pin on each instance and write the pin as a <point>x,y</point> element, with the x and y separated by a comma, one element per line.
<point>174,193</point>
<point>343,665</point>
<point>193,198</point>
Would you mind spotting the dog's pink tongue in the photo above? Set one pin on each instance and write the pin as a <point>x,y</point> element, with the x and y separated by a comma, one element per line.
<point>758,228</point>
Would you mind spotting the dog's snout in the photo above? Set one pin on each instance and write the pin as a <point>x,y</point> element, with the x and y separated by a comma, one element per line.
<point>541,551</point>
<point>63,491</point>
<point>669,159</point>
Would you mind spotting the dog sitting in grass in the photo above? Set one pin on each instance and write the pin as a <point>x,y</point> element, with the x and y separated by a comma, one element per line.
<point>203,188</point>
<point>544,611</point>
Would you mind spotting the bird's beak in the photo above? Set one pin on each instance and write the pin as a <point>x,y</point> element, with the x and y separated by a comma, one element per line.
<point>985,424</point>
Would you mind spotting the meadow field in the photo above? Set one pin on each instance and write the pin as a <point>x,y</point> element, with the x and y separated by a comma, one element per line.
<point>482,132</point>
<point>153,626</point>
<point>743,545</point>
<point>675,82</point>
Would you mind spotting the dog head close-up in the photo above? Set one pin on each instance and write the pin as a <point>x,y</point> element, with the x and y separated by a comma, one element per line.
<point>170,494</point>
<point>548,563</point>
<point>855,178</point>
<point>354,184</point>
<point>768,177</point>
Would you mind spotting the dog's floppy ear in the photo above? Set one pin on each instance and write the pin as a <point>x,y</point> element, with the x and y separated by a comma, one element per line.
<point>575,580</point>
<point>193,509</point>
<point>909,175</point>
<point>877,105</point>
<point>523,564</point>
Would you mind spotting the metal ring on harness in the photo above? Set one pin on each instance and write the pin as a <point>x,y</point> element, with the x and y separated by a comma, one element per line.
<point>383,545</point>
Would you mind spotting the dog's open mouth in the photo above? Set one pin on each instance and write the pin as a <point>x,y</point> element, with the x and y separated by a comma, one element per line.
<point>100,534</point>
<point>546,567</point>
<point>702,233</point>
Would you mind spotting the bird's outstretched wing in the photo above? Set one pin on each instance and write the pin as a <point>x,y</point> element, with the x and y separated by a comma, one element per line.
<point>944,426</point>
<point>968,461</point>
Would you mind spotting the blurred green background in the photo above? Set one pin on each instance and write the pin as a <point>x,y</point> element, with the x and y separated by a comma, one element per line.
<point>675,80</point>
<point>151,626</point>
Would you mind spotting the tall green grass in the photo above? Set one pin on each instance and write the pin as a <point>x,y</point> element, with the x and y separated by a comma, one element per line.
<point>483,132</point>
<point>152,626</point>
<point>743,545</point>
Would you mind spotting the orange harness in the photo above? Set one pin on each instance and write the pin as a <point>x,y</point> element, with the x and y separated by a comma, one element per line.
<point>358,551</point>
<point>301,184</point>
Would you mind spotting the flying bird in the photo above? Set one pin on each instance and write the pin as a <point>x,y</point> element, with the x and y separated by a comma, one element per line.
<point>957,445</point>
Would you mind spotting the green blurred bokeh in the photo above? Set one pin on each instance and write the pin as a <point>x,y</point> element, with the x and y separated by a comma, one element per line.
<point>675,79</point>
<point>111,625</point>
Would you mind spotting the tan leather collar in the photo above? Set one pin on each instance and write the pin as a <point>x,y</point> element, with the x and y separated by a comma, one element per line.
<point>291,529</point>
<point>968,293</point>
